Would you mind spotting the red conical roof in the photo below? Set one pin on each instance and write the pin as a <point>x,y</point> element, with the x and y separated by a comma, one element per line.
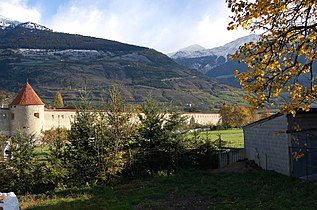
<point>27,96</point>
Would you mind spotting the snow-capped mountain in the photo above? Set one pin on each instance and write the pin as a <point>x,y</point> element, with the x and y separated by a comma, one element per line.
<point>192,48</point>
<point>215,62</point>
<point>187,50</point>
<point>8,23</point>
<point>223,51</point>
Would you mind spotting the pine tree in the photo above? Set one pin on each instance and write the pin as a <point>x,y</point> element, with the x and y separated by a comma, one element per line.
<point>120,133</point>
<point>160,138</point>
<point>81,153</point>
<point>21,166</point>
<point>98,144</point>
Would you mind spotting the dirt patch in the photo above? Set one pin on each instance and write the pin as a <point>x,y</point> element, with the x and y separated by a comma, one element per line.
<point>239,167</point>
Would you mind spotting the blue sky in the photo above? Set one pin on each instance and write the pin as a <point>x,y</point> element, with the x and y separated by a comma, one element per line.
<point>165,25</point>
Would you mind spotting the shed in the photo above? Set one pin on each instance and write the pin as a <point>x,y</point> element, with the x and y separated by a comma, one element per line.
<point>285,144</point>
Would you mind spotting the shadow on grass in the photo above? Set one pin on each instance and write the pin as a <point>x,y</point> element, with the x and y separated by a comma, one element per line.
<point>188,190</point>
<point>86,198</point>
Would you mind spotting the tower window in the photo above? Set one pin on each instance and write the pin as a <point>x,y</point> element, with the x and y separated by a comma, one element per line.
<point>37,115</point>
<point>12,116</point>
<point>4,116</point>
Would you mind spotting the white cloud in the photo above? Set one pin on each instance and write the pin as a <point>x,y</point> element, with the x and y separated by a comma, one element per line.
<point>165,26</point>
<point>212,32</point>
<point>86,20</point>
<point>18,10</point>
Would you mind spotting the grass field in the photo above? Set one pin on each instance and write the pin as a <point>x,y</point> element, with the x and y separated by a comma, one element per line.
<point>191,189</point>
<point>232,137</point>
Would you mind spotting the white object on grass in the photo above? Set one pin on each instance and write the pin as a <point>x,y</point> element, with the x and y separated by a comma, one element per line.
<point>10,201</point>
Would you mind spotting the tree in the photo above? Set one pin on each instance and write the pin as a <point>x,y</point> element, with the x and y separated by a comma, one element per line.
<point>226,114</point>
<point>281,61</point>
<point>55,137</point>
<point>254,114</point>
<point>237,116</point>
<point>120,133</point>
<point>152,119</point>
<point>192,123</point>
<point>242,116</point>
<point>3,143</point>
<point>55,168</point>
<point>160,139</point>
<point>23,172</point>
<point>174,144</point>
<point>58,100</point>
<point>98,142</point>
<point>265,113</point>
<point>81,152</point>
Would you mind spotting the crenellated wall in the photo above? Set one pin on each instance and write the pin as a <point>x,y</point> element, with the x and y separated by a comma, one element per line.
<point>5,121</point>
<point>58,118</point>
<point>204,118</point>
<point>24,118</point>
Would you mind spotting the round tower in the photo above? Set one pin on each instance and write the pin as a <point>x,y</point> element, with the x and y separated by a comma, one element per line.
<point>27,112</point>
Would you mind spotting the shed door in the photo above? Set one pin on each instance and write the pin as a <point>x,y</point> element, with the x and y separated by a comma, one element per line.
<point>306,166</point>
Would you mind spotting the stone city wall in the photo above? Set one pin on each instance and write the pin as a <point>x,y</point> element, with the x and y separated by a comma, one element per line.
<point>54,118</point>
<point>5,122</point>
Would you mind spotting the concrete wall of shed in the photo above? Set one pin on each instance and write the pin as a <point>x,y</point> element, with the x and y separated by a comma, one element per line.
<point>267,143</point>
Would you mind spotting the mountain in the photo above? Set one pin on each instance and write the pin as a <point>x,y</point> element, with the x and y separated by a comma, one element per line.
<point>215,62</point>
<point>69,63</point>
<point>191,48</point>
<point>222,51</point>
<point>5,22</point>
<point>8,23</point>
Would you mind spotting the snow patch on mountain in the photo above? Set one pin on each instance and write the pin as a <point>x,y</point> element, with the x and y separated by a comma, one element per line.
<point>192,48</point>
<point>8,23</point>
<point>31,25</point>
<point>225,51</point>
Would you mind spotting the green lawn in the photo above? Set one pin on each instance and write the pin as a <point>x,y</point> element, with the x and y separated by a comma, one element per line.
<point>232,137</point>
<point>191,189</point>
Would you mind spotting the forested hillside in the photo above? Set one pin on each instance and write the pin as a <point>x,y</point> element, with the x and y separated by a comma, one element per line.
<point>54,61</point>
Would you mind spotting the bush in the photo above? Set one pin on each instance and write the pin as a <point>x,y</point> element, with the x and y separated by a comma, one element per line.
<point>23,173</point>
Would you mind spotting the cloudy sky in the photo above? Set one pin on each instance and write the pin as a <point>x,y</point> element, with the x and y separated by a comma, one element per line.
<point>165,25</point>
